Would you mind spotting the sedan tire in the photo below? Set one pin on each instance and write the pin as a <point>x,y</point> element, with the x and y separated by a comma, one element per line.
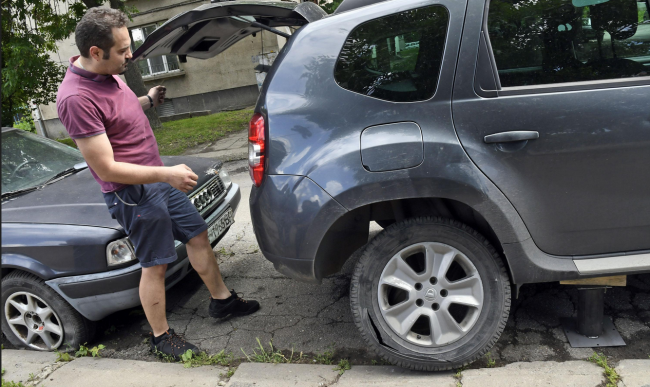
<point>430,294</point>
<point>34,316</point>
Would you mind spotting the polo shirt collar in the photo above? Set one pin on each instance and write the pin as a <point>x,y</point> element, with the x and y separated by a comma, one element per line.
<point>87,74</point>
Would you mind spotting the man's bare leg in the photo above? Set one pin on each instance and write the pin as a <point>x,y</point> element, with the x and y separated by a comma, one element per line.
<point>205,263</point>
<point>152,297</point>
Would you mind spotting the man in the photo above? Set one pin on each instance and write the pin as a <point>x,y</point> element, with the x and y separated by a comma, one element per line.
<point>107,122</point>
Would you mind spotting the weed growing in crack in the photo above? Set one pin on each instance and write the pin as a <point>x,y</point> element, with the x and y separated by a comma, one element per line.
<point>344,365</point>
<point>191,359</point>
<point>271,356</point>
<point>326,358</point>
<point>459,376</point>
<point>229,373</point>
<point>32,377</point>
<point>610,372</point>
<point>85,351</point>
<point>490,362</point>
<point>62,356</point>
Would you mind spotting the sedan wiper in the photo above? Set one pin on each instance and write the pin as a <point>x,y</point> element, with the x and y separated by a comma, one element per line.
<point>13,194</point>
<point>76,168</point>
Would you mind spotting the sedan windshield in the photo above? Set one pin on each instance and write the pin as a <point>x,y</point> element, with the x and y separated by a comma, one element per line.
<point>29,160</point>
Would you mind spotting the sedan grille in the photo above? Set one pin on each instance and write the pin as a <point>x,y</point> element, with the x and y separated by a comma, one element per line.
<point>208,195</point>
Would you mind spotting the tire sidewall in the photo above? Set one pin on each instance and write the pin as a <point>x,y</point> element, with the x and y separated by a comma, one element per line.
<point>69,318</point>
<point>494,281</point>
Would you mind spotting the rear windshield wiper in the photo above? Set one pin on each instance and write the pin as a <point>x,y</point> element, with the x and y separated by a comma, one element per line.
<point>76,168</point>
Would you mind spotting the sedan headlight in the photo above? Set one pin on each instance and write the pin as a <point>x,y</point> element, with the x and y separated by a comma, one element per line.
<point>225,178</point>
<point>119,252</point>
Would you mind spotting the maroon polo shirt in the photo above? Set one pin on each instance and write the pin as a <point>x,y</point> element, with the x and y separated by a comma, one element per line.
<point>90,104</point>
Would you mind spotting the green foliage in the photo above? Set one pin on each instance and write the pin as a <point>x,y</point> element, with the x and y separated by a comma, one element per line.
<point>610,373</point>
<point>344,365</point>
<point>85,351</point>
<point>270,356</point>
<point>62,356</point>
<point>330,7</point>
<point>490,362</point>
<point>326,358</point>
<point>231,372</point>
<point>176,136</point>
<point>30,32</point>
<point>26,123</point>
<point>191,359</point>
<point>9,383</point>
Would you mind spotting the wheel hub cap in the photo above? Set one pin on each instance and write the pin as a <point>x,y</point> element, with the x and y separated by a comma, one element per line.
<point>33,321</point>
<point>430,294</point>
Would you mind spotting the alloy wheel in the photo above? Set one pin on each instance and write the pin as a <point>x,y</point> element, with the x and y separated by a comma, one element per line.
<point>430,294</point>
<point>33,321</point>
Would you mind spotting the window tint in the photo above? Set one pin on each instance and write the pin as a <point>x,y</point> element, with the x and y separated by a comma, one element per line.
<point>395,58</point>
<point>555,41</point>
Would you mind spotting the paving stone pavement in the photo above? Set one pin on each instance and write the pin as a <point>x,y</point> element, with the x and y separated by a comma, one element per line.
<point>102,372</point>
<point>313,318</point>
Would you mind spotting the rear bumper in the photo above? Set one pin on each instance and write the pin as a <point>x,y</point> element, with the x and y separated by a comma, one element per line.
<point>291,216</point>
<point>96,296</point>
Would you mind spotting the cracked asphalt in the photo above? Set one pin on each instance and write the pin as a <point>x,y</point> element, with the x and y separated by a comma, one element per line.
<point>313,319</point>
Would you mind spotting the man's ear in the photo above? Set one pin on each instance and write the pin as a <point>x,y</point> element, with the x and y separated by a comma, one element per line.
<point>96,53</point>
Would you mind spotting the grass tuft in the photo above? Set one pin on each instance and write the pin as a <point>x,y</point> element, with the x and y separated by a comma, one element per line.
<point>326,358</point>
<point>270,356</point>
<point>610,373</point>
<point>344,365</point>
<point>190,359</point>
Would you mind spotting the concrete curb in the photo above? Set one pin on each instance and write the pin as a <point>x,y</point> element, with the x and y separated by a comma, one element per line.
<point>101,372</point>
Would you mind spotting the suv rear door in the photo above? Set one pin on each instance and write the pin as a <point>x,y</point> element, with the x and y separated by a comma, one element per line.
<point>210,29</point>
<point>570,104</point>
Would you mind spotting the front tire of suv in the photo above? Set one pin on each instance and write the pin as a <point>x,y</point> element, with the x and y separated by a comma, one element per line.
<point>430,294</point>
<point>34,316</point>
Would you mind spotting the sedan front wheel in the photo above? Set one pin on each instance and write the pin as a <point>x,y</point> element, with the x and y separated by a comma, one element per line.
<point>36,317</point>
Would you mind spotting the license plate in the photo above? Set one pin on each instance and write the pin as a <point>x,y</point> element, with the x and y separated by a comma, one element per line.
<point>220,225</point>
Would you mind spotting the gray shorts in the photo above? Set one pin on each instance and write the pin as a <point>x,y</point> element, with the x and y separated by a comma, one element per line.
<point>161,214</point>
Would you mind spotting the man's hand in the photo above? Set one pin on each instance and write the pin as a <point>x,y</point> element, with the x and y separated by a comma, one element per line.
<point>181,177</point>
<point>157,94</point>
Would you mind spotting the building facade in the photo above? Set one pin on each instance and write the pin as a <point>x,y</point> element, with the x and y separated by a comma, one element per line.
<point>226,82</point>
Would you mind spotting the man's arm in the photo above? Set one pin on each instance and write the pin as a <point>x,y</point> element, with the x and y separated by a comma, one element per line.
<point>98,153</point>
<point>157,94</point>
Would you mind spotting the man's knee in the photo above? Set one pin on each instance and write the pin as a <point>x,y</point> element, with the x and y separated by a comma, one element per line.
<point>200,240</point>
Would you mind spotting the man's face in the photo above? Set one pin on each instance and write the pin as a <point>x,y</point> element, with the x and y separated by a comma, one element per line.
<point>120,53</point>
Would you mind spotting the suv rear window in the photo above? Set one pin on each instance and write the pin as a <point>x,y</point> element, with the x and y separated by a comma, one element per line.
<point>397,57</point>
<point>556,41</point>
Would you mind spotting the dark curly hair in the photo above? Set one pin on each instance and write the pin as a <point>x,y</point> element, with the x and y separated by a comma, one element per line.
<point>96,29</point>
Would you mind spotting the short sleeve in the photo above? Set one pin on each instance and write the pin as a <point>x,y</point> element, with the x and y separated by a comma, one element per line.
<point>80,117</point>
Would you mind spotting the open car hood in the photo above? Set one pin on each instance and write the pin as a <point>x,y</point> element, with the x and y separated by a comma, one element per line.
<point>210,29</point>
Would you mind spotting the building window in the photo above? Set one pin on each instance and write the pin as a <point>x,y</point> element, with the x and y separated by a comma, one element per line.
<point>155,65</point>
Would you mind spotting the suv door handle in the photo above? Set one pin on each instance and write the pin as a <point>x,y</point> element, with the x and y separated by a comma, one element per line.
<point>517,135</point>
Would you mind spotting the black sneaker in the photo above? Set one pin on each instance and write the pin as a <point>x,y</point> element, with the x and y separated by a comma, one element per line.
<point>233,306</point>
<point>171,344</point>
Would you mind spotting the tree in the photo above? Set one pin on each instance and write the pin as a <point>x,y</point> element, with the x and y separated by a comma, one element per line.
<point>30,30</point>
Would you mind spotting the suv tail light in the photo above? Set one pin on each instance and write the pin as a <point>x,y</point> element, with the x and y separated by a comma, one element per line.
<point>256,148</point>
